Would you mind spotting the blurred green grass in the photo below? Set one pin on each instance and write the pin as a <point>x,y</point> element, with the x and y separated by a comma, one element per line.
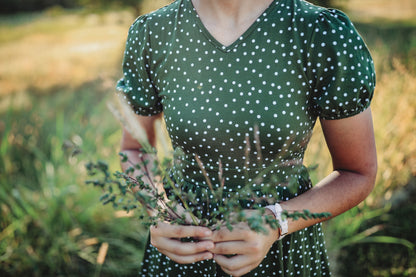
<point>53,121</point>
<point>51,222</point>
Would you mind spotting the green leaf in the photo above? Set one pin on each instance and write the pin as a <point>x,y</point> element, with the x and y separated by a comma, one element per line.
<point>104,196</point>
<point>102,165</point>
<point>388,239</point>
<point>109,200</point>
<point>375,239</point>
<point>124,157</point>
<point>129,170</point>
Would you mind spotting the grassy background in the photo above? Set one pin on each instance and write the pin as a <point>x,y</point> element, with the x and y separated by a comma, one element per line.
<point>58,71</point>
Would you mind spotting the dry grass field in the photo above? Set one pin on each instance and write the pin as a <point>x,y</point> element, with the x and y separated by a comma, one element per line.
<point>367,10</point>
<point>61,50</point>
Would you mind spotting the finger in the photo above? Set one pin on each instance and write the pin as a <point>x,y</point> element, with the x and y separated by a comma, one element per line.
<point>236,234</point>
<point>188,259</point>
<point>180,231</point>
<point>177,247</point>
<point>237,265</point>
<point>232,247</point>
<point>240,271</point>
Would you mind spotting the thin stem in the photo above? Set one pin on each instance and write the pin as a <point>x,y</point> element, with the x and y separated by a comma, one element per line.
<point>258,144</point>
<point>247,151</point>
<point>204,172</point>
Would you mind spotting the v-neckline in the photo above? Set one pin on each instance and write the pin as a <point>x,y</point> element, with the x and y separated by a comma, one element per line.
<point>242,37</point>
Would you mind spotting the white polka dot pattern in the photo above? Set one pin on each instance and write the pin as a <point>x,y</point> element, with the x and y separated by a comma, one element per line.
<point>297,62</point>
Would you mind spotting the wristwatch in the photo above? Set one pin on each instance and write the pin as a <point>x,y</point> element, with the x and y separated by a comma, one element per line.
<point>283,224</point>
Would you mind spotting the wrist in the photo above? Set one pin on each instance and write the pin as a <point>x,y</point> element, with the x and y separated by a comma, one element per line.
<point>277,211</point>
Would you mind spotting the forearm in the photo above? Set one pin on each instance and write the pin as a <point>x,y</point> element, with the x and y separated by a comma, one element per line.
<point>354,158</point>
<point>146,163</point>
<point>335,194</point>
<point>137,157</point>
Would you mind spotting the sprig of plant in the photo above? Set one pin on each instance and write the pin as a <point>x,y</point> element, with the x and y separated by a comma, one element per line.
<point>129,192</point>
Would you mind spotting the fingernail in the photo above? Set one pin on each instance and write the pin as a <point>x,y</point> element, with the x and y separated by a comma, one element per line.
<point>207,233</point>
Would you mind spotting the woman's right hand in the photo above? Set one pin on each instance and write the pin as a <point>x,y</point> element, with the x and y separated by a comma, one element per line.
<point>167,237</point>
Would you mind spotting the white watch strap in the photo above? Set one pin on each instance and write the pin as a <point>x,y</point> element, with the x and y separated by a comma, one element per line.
<point>277,211</point>
<point>283,223</point>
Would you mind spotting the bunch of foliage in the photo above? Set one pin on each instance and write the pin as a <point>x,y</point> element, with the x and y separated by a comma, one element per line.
<point>137,187</point>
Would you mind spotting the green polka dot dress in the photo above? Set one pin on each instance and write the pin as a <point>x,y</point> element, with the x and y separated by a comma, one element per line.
<point>297,62</point>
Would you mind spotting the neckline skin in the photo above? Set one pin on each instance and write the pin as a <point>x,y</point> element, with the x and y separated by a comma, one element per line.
<point>227,21</point>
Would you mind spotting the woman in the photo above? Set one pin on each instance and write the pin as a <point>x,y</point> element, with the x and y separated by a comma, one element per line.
<point>216,68</point>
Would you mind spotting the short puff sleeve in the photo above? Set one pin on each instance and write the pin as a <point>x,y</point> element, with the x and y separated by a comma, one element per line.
<point>137,86</point>
<point>341,67</point>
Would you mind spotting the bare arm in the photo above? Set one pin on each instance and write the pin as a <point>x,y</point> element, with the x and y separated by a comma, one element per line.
<point>164,236</point>
<point>133,149</point>
<point>352,147</point>
<point>130,146</point>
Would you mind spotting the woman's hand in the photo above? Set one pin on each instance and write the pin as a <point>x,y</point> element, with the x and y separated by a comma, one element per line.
<point>248,247</point>
<point>167,239</point>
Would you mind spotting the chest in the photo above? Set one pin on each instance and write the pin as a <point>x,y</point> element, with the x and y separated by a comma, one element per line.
<point>214,96</point>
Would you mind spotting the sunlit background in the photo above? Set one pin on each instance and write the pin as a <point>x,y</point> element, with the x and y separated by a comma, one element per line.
<point>59,62</point>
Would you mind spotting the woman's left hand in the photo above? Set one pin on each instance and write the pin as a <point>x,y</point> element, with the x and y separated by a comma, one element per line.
<point>247,247</point>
